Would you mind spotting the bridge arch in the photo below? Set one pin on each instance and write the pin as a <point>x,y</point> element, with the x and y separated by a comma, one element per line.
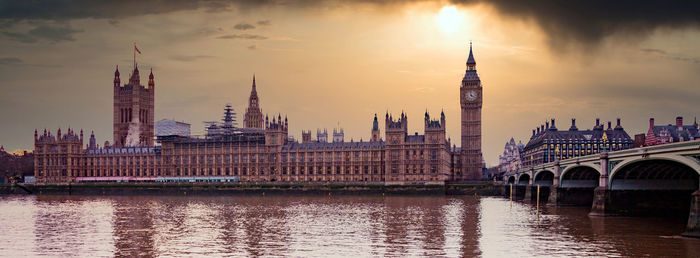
<point>524,179</point>
<point>669,172</point>
<point>511,180</point>
<point>544,178</point>
<point>580,176</point>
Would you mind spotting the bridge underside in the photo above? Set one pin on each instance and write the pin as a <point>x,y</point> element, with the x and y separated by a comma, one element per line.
<point>577,186</point>
<point>652,188</point>
<point>655,175</point>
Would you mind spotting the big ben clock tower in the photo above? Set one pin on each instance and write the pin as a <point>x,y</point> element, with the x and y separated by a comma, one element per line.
<point>471,98</point>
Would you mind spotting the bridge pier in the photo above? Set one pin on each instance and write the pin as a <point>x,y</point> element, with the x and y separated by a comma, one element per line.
<point>602,205</point>
<point>553,198</point>
<point>602,202</point>
<point>692,229</point>
<point>528,194</point>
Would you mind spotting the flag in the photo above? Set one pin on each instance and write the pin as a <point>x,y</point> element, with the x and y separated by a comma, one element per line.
<point>137,49</point>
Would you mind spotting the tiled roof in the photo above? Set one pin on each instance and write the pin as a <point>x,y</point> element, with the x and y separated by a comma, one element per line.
<point>586,135</point>
<point>686,132</point>
<point>470,75</point>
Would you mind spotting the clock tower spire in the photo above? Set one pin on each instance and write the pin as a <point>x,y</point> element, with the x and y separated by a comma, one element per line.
<point>471,99</point>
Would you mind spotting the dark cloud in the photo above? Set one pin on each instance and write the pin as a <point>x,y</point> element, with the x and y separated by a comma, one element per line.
<point>21,37</point>
<point>243,36</point>
<point>565,22</point>
<point>184,58</point>
<point>54,34</point>
<point>668,55</point>
<point>590,22</point>
<point>264,23</point>
<point>10,61</point>
<point>244,26</point>
<point>113,22</point>
<point>252,47</point>
<point>43,32</point>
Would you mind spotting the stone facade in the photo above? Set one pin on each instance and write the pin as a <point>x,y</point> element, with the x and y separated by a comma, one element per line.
<point>134,107</point>
<point>263,151</point>
<point>548,144</point>
<point>471,100</point>
<point>662,134</point>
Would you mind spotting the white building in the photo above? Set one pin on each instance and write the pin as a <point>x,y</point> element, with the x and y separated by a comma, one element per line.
<point>510,160</point>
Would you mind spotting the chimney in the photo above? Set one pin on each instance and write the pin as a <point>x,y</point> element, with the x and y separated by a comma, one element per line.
<point>533,132</point>
<point>546,125</point>
<point>651,122</point>
<point>553,127</point>
<point>609,125</point>
<point>619,126</point>
<point>538,130</point>
<point>679,121</point>
<point>573,125</point>
<point>597,122</point>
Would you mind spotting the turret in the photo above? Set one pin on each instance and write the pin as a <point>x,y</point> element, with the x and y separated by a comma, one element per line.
<point>275,131</point>
<point>117,80</point>
<point>151,83</point>
<point>442,118</point>
<point>305,136</point>
<point>375,130</point>
<point>93,143</point>
<point>322,136</point>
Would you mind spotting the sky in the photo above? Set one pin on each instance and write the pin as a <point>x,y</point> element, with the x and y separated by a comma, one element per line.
<point>328,64</point>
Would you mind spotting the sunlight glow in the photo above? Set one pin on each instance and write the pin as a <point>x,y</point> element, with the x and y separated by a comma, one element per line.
<point>449,18</point>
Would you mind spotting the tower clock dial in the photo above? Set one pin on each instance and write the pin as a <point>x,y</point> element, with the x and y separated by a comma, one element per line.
<point>470,95</point>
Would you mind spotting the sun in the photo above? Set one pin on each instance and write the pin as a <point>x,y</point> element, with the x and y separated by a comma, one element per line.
<point>449,18</point>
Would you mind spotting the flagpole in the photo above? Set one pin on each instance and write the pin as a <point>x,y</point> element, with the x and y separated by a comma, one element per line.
<point>134,55</point>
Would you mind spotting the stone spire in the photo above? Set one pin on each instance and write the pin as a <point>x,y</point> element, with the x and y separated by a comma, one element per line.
<point>375,123</point>
<point>135,77</point>
<point>470,60</point>
<point>253,115</point>
<point>253,99</point>
<point>470,74</point>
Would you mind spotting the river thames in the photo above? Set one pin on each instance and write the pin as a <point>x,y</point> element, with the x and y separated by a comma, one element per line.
<point>324,226</point>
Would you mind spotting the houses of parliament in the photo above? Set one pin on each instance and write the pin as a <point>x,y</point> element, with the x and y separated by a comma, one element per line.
<point>261,150</point>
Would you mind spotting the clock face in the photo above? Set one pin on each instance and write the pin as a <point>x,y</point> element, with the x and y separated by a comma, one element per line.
<point>470,95</point>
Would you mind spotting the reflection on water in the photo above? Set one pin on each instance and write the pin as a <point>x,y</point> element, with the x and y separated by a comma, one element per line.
<point>323,226</point>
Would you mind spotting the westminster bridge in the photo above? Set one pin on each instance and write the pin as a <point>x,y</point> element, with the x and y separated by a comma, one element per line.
<point>654,180</point>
